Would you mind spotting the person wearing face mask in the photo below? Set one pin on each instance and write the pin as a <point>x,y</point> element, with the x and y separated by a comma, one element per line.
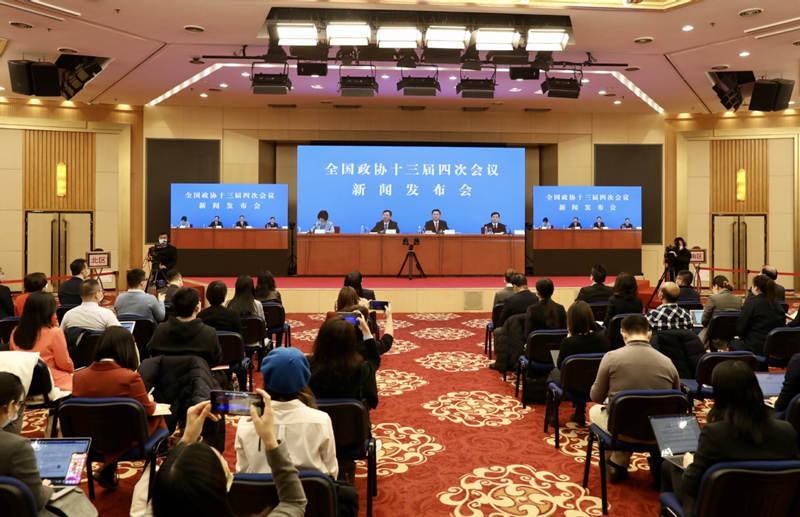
<point>89,315</point>
<point>69,291</point>
<point>164,253</point>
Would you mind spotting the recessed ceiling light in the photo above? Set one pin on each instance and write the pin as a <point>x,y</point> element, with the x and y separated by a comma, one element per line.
<point>643,40</point>
<point>385,76</point>
<point>744,53</point>
<point>752,11</point>
<point>720,67</point>
<point>194,28</point>
<point>617,101</point>
<point>67,50</point>
<point>790,102</point>
<point>515,90</point>
<point>245,74</point>
<point>204,95</point>
<point>602,92</point>
<point>632,69</point>
<point>21,25</point>
<point>687,28</point>
<point>316,86</point>
<point>520,79</point>
<point>796,43</point>
<point>315,75</point>
<point>538,92</point>
<point>214,90</point>
<point>584,81</point>
<point>223,85</point>
<point>453,78</point>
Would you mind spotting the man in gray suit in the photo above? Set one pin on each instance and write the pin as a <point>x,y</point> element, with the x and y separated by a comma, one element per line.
<point>722,300</point>
<point>508,291</point>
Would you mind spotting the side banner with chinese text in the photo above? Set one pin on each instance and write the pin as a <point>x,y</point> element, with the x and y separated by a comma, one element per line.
<point>613,204</point>
<point>200,202</point>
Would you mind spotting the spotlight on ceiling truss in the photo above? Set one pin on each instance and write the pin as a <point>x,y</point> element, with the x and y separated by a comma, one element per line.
<point>358,85</point>
<point>420,86</point>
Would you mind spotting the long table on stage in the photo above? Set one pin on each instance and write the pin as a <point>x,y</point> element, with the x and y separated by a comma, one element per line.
<point>378,254</point>
<point>572,252</point>
<point>231,251</point>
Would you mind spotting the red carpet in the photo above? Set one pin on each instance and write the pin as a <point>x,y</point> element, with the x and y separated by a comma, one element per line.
<point>382,282</point>
<point>455,440</point>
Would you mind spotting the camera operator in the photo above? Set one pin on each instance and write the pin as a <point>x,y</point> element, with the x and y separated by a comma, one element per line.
<point>163,253</point>
<point>677,258</point>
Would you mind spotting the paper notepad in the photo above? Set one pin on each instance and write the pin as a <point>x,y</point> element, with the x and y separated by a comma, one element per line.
<point>162,410</point>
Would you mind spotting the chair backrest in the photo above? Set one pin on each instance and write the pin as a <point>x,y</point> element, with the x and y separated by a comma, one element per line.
<point>250,494</point>
<point>614,332</point>
<point>274,314</point>
<point>599,310</point>
<point>723,326</point>
<point>62,309</point>
<point>782,343</point>
<point>783,305</point>
<point>629,411</point>
<point>709,361</point>
<point>579,371</point>
<point>350,419</point>
<point>41,380</point>
<point>793,414</point>
<point>143,330</point>
<point>232,346</point>
<point>16,498</point>
<point>541,342</point>
<point>497,310</point>
<point>169,310</point>
<point>84,352</point>
<point>112,423</point>
<point>7,326</point>
<point>762,488</point>
<point>254,330</point>
<point>691,306</point>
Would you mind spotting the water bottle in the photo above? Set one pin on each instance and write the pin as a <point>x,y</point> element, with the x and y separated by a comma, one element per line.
<point>419,229</point>
<point>363,229</point>
<point>298,229</point>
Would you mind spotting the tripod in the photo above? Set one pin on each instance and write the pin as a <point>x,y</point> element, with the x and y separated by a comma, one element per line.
<point>411,259</point>
<point>156,276</point>
<point>658,286</point>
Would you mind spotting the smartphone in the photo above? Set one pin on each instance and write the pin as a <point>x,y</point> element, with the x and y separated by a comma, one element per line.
<point>375,305</point>
<point>352,317</point>
<point>235,402</point>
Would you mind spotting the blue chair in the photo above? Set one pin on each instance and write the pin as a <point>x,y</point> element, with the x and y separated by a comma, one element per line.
<point>234,359</point>
<point>63,309</point>
<point>275,317</point>
<point>354,441</point>
<point>700,388</point>
<point>7,326</point>
<point>114,424</point>
<point>615,329</point>
<point>250,494</point>
<point>761,488</point>
<point>85,350</point>
<point>781,344</point>
<point>41,386</point>
<point>490,326</point>
<point>577,376</point>
<point>690,306</point>
<point>537,361</point>
<point>16,498</point>
<point>142,331</point>
<point>792,415</point>
<point>599,310</point>
<point>722,327</point>
<point>254,335</point>
<point>628,415</point>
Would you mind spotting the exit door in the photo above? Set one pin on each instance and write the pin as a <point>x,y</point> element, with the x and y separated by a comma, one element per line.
<point>739,242</point>
<point>54,239</point>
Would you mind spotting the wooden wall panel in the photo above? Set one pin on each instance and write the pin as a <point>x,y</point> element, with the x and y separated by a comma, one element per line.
<point>43,150</point>
<point>727,157</point>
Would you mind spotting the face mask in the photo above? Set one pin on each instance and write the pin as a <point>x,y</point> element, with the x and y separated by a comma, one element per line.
<point>162,241</point>
<point>11,419</point>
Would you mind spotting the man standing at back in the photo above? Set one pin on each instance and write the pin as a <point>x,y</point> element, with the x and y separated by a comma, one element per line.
<point>185,334</point>
<point>89,315</point>
<point>508,291</point>
<point>636,366</point>
<point>136,301</point>
<point>69,292</point>
<point>598,291</point>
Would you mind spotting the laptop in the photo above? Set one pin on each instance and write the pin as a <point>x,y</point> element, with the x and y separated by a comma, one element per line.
<point>61,460</point>
<point>697,317</point>
<point>770,383</point>
<point>128,325</point>
<point>676,435</point>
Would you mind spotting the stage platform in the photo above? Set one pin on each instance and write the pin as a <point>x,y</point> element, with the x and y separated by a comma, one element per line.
<point>430,294</point>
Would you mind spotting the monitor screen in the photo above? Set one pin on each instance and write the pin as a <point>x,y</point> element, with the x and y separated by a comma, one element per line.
<point>562,204</point>
<point>200,202</point>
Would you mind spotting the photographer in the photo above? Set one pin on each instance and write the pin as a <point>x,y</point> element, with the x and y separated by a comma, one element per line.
<point>677,258</point>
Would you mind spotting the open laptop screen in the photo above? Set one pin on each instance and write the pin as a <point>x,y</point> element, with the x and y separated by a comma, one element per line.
<point>675,434</point>
<point>128,325</point>
<point>61,460</point>
<point>770,383</point>
<point>697,317</point>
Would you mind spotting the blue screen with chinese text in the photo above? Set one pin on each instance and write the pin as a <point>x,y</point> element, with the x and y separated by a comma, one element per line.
<point>200,202</point>
<point>354,184</point>
<point>613,204</point>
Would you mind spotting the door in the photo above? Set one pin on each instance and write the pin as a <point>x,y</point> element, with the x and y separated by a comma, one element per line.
<point>739,242</point>
<point>54,239</point>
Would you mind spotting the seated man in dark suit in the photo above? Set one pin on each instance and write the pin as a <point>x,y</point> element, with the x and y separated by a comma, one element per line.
<point>216,223</point>
<point>184,334</point>
<point>241,223</point>
<point>174,282</point>
<point>495,226</point>
<point>508,291</point>
<point>598,291</point>
<point>627,224</point>
<point>522,299</point>
<point>385,224</point>
<point>216,314</point>
<point>575,224</point>
<point>271,223</point>
<point>684,281</point>
<point>599,224</point>
<point>69,292</point>
<point>436,225</point>
<point>506,346</point>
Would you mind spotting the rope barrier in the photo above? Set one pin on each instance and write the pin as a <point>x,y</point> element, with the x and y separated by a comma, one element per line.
<point>742,271</point>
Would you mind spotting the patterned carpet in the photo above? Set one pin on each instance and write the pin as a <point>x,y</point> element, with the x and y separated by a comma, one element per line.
<point>455,441</point>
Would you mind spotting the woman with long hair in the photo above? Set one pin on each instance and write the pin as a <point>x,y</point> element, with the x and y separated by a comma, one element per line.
<point>546,314</point>
<point>36,333</point>
<point>624,299</point>
<point>760,314</point>
<point>265,288</point>
<point>244,302</point>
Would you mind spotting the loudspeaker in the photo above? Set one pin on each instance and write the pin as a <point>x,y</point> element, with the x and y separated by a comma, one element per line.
<point>771,95</point>
<point>523,72</point>
<point>784,95</point>
<point>45,79</point>
<point>312,69</point>
<point>19,70</point>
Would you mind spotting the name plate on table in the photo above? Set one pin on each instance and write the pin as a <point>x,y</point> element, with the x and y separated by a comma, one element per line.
<point>391,231</point>
<point>449,232</point>
<point>320,230</point>
<point>519,232</point>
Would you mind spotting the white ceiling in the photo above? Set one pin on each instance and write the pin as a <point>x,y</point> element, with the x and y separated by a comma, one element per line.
<point>151,51</point>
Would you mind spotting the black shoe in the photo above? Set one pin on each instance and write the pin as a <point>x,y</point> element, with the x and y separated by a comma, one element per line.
<point>107,477</point>
<point>578,418</point>
<point>615,473</point>
<point>494,366</point>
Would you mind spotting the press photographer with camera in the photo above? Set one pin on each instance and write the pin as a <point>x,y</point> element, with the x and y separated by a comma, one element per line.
<point>677,258</point>
<point>162,256</point>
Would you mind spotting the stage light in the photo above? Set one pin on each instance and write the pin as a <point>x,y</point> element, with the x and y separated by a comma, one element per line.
<point>547,39</point>
<point>355,34</point>
<point>419,86</point>
<point>496,39</point>
<point>562,88</point>
<point>407,59</point>
<point>297,34</point>
<point>476,88</point>
<point>398,37</point>
<point>447,37</point>
<point>271,84</point>
<point>471,59</point>
<point>358,86</point>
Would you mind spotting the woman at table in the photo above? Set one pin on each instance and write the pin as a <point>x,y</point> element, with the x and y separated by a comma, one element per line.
<point>624,298</point>
<point>322,224</point>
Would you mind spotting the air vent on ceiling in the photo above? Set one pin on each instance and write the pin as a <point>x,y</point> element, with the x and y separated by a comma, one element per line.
<point>470,109</point>
<point>753,11</point>
<point>643,40</point>
<point>632,69</point>
<point>537,110</point>
<point>609,94</point>
<point>67,50</point>
<point>21,25</point>
<point>720,67</point>
<point>281,105</point>
<point>347,106</point>
<point>412,108</point>
<point>215,89</point>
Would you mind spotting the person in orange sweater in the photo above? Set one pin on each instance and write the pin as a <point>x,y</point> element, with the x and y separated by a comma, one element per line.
<point>36,333</point>
<point>113,374</point>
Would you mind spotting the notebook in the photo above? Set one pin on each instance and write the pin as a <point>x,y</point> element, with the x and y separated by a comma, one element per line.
<point>697,317</point>
<point>770,383</point>
<point>128,325</point>
<point>676,435</point>
<point>61,460</point>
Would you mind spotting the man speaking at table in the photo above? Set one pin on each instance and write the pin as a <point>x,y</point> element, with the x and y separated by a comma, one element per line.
<point>436,225</point>
<point>385,224</point>
<point>495,226</point>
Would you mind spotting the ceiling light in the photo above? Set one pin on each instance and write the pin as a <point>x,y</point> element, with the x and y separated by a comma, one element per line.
<point>358,86</point>
<point>562,88</point>
<point>419,86</point>
<point>515,90</point>
<point>56,7</point>
<point>272,84</point>
<point>194,28</point>
<point>316,86</point>
<point>223,85</point>
<point>753,11</point>
<point>790,102</point>
<point>720,67</point>
<point>643,40</point>
<point>584,81</point>
<point>398,37</point>
<point>602,92</point>
<point>3,88</point>
<point>538,92</point>
<point>496,39</point>
<point>204,95</point>
<point>452,78</point>
<point>476,88</point>
<point>385,76</point>
<point>617,101</point>
<point>297,34</point>
<point>547,39</point>
<point>67,50</point>
<point>313,75</point>
<point>245,74</point>
<point>350,34</point>
<point>687,28</point>
<point>446,37</point>
<point>744,53</point>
